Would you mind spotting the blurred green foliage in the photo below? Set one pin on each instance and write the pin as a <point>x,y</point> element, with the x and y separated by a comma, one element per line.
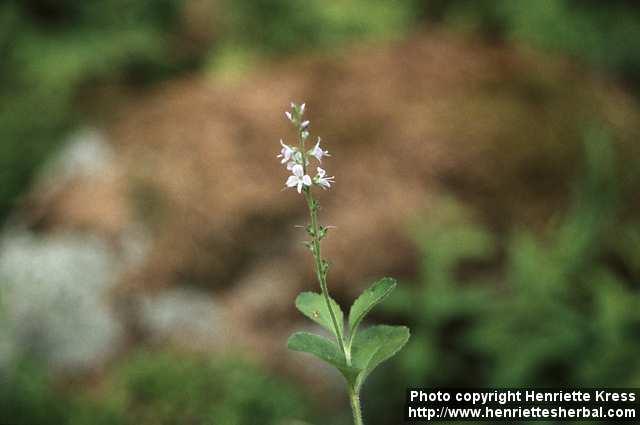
<point>605,35</point>
<point>28,397</point>
<point>282,26</point>
<point>165,389</point>
<point>51,50</point>
<point>155,389</point>
<point>551,309</point>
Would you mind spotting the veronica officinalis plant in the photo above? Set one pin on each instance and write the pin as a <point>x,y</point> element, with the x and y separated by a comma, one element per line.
<point>354,353</point>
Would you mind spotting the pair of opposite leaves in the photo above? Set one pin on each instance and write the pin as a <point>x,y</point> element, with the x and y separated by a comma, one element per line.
<point>367,348</point>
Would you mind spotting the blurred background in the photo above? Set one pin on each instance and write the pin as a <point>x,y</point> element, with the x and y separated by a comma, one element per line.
<point>485,152</point>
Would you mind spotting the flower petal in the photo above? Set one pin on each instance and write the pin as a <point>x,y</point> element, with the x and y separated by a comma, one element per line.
<point>292,181</point>
<point>297,170</point>
<point>306,180</point>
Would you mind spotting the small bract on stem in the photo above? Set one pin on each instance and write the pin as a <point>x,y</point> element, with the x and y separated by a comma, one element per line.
<point>354,354</point>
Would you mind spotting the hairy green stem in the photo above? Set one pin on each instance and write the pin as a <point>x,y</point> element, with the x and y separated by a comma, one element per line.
<point>320,273</point>
<point>354,398</point>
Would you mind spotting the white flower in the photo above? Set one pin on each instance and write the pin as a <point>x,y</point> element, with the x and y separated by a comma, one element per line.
<point>318,152</point>
<point>290,165</point>
<point>298,178</point>
<point>305,124</point>
<point>321,180</point>
<point>286,153</point>
<point>305,134</point>
<point>289,116</point>
<point>302,108</point>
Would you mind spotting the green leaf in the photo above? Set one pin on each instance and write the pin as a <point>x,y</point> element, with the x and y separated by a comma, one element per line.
<point>367,300</point>
<point>375,345</point>
<point>314,306</point>
<point>325,350</point>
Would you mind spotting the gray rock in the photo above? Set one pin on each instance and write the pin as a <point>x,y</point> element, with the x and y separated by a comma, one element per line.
<point>185,316</point>
<point>53,296</point>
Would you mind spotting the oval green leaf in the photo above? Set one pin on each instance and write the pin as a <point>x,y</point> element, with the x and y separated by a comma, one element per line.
<point>374,345</point>
<point>325,350</point>
<point>367,300</point>
<point>314,306</point>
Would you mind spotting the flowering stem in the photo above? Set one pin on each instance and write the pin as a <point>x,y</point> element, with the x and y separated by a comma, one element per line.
<point>321,268</point>
<point>297,160</point>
